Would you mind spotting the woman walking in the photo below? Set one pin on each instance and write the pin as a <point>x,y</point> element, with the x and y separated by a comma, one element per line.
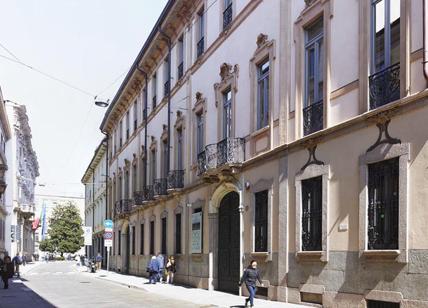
<point>6,271</point>
<point>250,277</point>
<point>170,269</point>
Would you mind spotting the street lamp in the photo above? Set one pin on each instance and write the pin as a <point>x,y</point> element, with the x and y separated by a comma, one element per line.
<point>102,103</point>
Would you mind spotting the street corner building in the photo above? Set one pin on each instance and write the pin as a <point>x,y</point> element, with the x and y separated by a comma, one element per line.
<point>288,132</point>
<point>19,169</point>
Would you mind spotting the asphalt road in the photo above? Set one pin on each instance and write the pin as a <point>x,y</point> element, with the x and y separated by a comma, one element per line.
<point>60,284</point>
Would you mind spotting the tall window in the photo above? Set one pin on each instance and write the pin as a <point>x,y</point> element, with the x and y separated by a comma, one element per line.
<point>200,143</point>
<point>263,94</point>
<point>312,214</point>
<point>154,91</point>
<point>261,221</point>
<point>119,188</point>
<point>142,239</point>
<point>314,78</point>
<point>153,166</point>
<point>126,185</point>
<point>127,125</point>
<point>120,133</point>
<point>134,178</point>
<point>133,240</point>
<point>179,149</point>
<point>135,115</point>
<point>180,57</point>
<point>227,13</point>
<point>201,33</point>
<point>164,234</point>
<point>166,85</point>
<point>385,52</point>
<point>178,233</point>
<point>383,205</point>
<point>152,237</point>
<point>227,113</point>
<point>165,159</point>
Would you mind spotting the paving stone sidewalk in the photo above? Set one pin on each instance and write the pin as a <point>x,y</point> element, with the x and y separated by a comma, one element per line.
<point>198,296</point>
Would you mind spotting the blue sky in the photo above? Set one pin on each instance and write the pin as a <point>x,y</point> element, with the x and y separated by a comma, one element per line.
<point>89,44</point>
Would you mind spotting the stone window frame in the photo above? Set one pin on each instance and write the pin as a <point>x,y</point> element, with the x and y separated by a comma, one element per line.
<point>313,171</point>
<point>202,7</point>
<point>200,108</point>
<point>180,124</point>
<point>381,153</point>
<point>265,50</point>
<point>316,9</point>
<point>229,79</point>
<point>365,51</point>
<point>262,185</point>
<point>222,8</point>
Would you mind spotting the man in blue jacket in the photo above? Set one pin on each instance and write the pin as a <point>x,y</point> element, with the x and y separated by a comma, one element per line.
<point>153,270</point>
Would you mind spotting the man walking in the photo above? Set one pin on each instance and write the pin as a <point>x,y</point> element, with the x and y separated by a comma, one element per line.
<point>153,269</point>
<point>161,262</point>
<point>98,260</point>
<point>17,261</point>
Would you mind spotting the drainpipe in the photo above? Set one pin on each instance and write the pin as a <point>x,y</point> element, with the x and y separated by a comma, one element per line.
<point>106,193</point>
<point>93,209</point>
<point>145,123</point>
<point>425,37</point>
<point>168,41</point>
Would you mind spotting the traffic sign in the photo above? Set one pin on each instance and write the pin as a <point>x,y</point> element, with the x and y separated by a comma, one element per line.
<point>108,239</point>
<point>108,225</point>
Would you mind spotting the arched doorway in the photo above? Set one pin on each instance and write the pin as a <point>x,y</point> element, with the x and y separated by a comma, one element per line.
<point>228,244</point>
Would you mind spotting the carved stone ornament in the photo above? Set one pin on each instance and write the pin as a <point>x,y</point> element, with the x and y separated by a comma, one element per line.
<point>309,2</point>
<point>198,96</point>
<point>382,123</point>
<point>225,71</point>
<point>261,40</point>
<point>199,104</point>
<point>164,136</point>
<point>312,159</point>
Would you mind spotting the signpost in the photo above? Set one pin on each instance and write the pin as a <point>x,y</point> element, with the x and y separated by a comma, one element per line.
<point>108,238</point>
<point>87,233</point>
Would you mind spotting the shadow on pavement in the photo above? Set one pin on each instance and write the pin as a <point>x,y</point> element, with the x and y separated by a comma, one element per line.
<point>19,295</point>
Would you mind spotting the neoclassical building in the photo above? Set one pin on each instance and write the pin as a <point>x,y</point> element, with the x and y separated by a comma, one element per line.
<point>289,132</point>
<point>23,169</point>
<point>94,180</point>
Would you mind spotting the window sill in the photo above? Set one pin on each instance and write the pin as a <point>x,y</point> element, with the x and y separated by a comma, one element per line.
<point>319,256</point>
<point>260,131</point>
<point>261,255</point>
<point>381,255</point>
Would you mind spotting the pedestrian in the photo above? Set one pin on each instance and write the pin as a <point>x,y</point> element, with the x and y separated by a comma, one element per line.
<point>24,260</point>
<point>153,269</point>
<point>17,261</point>
<point>161,262</point>
<point>170,270</point>
<point>98,260</point>
<point>250,277</point>
<point>6,271</point>
<point>82,260</point>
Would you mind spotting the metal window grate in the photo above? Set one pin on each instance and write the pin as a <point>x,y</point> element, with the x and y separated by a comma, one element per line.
<point>313,118</point>
<point>312,214</point>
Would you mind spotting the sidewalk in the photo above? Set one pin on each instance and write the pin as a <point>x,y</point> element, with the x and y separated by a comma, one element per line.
<point>197,296</point>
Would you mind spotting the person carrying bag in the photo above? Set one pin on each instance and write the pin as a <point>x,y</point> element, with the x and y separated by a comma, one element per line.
<point>250,277</point>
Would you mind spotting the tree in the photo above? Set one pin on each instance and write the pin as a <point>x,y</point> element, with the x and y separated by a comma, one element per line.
<point>65,232</point>
<point>46,245</point>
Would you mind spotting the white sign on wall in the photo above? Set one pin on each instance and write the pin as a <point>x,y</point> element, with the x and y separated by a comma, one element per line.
<point>87,233</point>
<point>197,232</point>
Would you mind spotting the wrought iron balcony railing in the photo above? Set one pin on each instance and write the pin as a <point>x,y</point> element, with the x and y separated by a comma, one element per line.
<point>123,206</point>
<point>211,156</point>
<point>180,70</point>
<point>166,88</point>
<point>385,86</point>
<point>145,195</point>
<point>160,187</point>
<point>230,151</point>
<point>176,179</point>
<point>202,161</point>
<point>313,118</point>
<point>200,47</point>
<point>227,17</point>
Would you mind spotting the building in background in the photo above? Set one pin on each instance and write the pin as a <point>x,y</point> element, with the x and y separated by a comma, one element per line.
<point>23,169</point>
<point>45,205</point>
<point>94,180</point>
<point>5,135</point>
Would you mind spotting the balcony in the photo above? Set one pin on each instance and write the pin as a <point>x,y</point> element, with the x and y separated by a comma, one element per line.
<point>200,47</point>
<point>228,153</point>
<point>166,88</point>
<point>144,196</point>
<point>313,118</point>
<point>385,86</point>
<point>227,17</point>
<point>160,187</point>
<point>180,70</point>
<point>175,179</point>
<point>123,207</point>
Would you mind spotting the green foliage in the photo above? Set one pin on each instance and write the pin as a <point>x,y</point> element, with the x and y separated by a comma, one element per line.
<point>46,245</point>
<point>65,232</point>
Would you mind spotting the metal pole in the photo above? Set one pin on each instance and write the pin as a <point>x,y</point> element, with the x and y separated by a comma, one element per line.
<point>108,258</point>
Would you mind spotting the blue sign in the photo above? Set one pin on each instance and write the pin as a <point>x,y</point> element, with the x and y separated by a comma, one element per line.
<point>108,224</point>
